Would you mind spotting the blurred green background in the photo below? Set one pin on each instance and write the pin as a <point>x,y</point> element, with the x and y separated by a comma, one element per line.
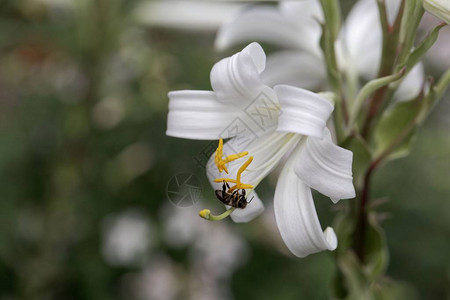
<point>85,163</point>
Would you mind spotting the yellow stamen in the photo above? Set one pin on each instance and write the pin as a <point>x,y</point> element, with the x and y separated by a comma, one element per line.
<point>237,181</point>
<point>241,185</point>
<point>219,153</point>
<point>242,168</point>
<point>221,163</point>
<point>232,157</point>
<point>223,168</point>
<point>225,179</point>
<point>206,214</point>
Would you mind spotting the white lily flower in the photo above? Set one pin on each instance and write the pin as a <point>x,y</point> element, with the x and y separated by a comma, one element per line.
<point>269,124</point>
<point>439,8</point>
<point>294,25</point>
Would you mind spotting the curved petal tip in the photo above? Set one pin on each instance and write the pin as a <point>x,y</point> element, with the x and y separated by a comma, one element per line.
<point>296,215</point>
<point>302,111</point>
<point>331,238</point>
<point>236,79</point>
<point>326,167</point>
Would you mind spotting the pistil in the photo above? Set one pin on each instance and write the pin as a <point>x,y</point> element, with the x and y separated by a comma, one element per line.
<point>206,214</point>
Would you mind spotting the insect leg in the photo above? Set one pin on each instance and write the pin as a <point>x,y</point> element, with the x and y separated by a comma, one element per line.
<point>224,189</point>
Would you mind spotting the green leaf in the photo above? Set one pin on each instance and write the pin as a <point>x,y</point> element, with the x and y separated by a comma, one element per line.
<point>352,283</point>
<point>344,225</point>
<point>376,251</point>
<point>355,279</point>
<point>370,88</point>
<point>395,131</point>
<point>442,85</point>
<point>361,157</point>
<point>338,286</point>
<point>411,19</point>
<point>388,289</point>
<point>415,56</point>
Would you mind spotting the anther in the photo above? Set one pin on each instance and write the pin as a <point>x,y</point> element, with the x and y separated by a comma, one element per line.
<point>237,181</point>
<point>221,163</point>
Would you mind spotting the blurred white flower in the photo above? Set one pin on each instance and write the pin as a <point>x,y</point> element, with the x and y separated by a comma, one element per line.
<point>108,112</point>
<point>288,120</point>
<point>215,251</point>
<point>126,238</point>
<point>439,8</point>
<point>185,14</point>
<point>157,281</point>
<point>181,226</point>
<point>219,251</point>
<point>204,287</point>
<point>294,26</point>
<point>211,246</point>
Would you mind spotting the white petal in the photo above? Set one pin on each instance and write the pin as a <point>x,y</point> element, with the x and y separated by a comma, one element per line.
<point>439,8</point>
<point>411,85</point>
<point>294,25</point>
<point>326,168</point>
<point>236,79</point>
<point>363,36</point>
<point>302,111</point>
<point>237,82</point>
<point>198,115</point>
<point>259,23</point>
<point>296,215</point>
<point>266,150</point>
<point>307,15</point>
<point>301,69</point>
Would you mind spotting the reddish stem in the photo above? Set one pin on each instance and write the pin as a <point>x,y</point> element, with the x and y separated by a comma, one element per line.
<point>362,214</point>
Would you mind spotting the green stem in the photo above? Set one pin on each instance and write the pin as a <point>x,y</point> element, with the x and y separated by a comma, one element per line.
<point>362,214</point>
<point>443,84</point>
<point>365,193</point>
<point>388,58</point>
<point>330,32</point>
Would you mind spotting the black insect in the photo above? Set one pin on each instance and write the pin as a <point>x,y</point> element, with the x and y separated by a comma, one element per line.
<point>234,199</point>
